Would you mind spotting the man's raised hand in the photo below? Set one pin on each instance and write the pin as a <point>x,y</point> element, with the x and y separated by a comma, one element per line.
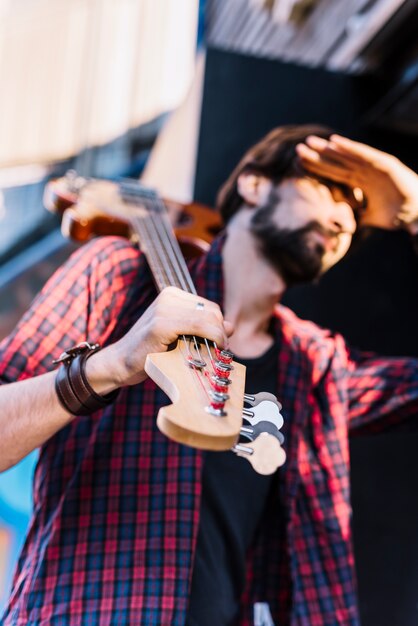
<point>390,187</point>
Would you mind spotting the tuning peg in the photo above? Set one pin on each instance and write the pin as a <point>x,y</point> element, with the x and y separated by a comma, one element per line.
<point>252,432</point>
<point>223,370</point>
<point>265,453</point>
<point>224,356</point>
<point>254,399</point>
<point>265,411</point>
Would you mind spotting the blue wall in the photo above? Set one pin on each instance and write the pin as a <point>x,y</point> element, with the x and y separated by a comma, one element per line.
<point>15,511</point>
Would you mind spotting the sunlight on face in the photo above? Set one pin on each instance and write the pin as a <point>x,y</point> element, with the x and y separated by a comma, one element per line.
<point>305,200</point>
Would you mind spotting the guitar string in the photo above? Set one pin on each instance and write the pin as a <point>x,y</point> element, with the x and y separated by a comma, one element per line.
<point>168,241</point>
<point>164,249</point>
<point>162,242</point>
<point>156,254</point>
<point>164,274</point>
<point>165,223</point>
<point>164,227</point>
<point>168,275</point>
<point>158,269</point>
<point>199,377</point>
<point>164,232</point>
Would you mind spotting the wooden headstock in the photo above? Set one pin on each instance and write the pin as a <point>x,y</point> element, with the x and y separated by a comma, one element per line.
<point>187,420</point>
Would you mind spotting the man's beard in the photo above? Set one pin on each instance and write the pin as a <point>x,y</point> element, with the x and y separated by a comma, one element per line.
<point>294,254</point>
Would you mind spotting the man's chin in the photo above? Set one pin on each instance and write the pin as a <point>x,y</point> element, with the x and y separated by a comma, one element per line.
<point>331,257</point>
<point>293,276</point>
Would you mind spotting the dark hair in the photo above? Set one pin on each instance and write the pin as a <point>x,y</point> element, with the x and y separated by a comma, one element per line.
<point>274,157</point>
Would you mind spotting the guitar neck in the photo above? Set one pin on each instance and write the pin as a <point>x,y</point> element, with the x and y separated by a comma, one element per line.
<point>151,225</point>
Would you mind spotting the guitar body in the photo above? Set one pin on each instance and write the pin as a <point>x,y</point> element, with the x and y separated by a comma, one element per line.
<point>195,225</point>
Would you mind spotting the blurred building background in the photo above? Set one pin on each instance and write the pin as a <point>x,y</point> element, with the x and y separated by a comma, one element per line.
<point>172,91</point>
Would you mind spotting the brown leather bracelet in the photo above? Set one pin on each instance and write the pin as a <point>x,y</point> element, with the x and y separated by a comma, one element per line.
<point>65,393</point>
<point>72,387</point>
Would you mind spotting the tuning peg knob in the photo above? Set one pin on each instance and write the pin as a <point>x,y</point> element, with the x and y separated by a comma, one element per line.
<point>216,409</point>
<point>264,411</point>
<point>223,370</point>
<point>224,356</point>
<point>265,453</point>
<point>218,397</point>
<point>219,384</point>
<point>262,396</point>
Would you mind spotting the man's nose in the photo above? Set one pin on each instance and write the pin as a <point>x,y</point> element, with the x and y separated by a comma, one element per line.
<point>342,220</point>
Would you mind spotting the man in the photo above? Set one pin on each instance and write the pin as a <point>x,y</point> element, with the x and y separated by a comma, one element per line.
<point>130,528</point>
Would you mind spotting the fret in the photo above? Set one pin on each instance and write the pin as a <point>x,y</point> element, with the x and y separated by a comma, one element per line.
<point>154,259</point>
<point>131,190</point>
<point>156,237</point>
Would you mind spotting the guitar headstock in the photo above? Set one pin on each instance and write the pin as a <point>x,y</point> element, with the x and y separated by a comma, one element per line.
<point>195,419</point>
<point>190,420</point>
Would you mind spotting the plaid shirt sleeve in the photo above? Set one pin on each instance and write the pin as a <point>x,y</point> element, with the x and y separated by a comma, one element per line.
<point>82,301</point>
<point>382,391</point>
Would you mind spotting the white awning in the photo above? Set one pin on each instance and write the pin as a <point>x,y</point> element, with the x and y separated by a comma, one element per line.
<point>81,72</point>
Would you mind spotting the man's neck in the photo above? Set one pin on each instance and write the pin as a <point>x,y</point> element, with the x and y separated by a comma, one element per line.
<point>252,289</point>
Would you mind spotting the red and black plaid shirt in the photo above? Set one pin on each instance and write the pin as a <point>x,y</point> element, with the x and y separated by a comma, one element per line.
<point>116,504</point>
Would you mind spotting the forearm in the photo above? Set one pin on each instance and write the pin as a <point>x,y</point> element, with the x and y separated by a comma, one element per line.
<point>30,414</point>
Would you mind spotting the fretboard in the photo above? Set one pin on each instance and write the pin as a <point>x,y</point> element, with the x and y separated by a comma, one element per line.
<point>151,224</point>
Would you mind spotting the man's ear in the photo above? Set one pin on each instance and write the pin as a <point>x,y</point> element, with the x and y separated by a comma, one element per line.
<point>253,188</point>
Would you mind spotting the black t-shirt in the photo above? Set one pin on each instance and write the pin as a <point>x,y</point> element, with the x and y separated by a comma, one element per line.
<point>234,497</point>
